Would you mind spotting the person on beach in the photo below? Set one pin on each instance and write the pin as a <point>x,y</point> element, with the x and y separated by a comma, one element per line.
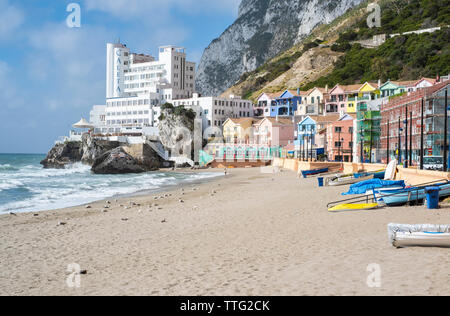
<point>225,171</point>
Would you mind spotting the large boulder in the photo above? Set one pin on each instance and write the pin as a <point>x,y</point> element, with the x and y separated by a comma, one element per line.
<point>117,161</point>
<point>150,158</point>
<point>63,154</point>
<point>94,148</point>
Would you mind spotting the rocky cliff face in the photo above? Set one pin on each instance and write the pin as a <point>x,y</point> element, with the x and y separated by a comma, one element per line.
<point>105,157</point>
<point>94,148</point>
<point>63,154</point>
<point>119,161</point>
<point>264,28</point>
<point>175,130</point>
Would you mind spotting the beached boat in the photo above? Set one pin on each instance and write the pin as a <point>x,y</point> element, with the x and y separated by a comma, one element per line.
<point>406,195</point>
<point>363,187</point>
<point>426,235</point>
<point>307,173</point>
<point>350,179</point>
<point>353,207</point>
<point>425,239</point>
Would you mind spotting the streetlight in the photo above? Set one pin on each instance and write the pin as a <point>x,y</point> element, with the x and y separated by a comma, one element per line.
<point>446,108</point>
<point>399,141</point>
<point>340,144</point>
<point>361,133</point>
<point>405,123</point>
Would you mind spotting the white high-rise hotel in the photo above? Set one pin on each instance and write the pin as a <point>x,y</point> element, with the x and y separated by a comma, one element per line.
<point>137,84</point>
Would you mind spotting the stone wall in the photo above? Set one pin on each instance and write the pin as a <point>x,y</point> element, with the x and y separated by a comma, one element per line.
<point>412,176</point>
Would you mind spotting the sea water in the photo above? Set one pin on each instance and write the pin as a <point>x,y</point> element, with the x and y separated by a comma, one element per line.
<point>25,186</point>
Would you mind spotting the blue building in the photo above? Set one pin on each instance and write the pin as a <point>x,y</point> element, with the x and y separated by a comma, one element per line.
<point>306,133</point>
<point>286,104</point>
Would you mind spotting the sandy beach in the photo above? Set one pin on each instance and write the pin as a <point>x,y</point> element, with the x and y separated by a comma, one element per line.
<point>247,234</point>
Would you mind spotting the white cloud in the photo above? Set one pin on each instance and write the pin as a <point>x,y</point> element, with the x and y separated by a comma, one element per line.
<point>10,19</point>
<point>71,61</point>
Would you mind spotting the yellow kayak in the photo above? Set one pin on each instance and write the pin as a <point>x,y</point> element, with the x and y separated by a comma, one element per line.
<point>353,207</point>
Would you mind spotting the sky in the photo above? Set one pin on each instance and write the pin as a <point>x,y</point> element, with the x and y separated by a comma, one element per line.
<point>52,74</point>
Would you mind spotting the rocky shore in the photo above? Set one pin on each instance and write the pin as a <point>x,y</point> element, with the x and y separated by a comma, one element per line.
<point>105,157</point>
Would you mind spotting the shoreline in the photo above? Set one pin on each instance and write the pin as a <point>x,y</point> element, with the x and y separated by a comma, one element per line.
<point>139,192</point>
<point>248,233</point>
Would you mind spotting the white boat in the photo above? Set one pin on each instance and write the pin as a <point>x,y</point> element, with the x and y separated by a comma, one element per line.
<point>412,194</point>
<point>421,239</point>
<point>380,191</point>
<point>427,235</point>
<point>346,180</point>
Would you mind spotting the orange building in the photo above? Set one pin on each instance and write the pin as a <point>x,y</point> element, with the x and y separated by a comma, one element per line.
<point>340,139</point>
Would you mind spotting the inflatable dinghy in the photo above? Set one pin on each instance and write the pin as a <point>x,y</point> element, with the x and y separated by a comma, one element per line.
<point>402,236</point>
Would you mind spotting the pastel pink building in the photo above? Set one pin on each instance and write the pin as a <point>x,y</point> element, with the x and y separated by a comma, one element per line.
<point>340,97</point>
<point>274,132</point>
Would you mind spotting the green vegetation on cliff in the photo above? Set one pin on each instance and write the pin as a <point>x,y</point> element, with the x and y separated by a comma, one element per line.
<point>404,57</point>
<point>400,58</point>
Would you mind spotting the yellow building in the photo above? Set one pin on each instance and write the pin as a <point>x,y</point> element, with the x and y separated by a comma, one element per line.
<point>351,92</point>
<point>368,91</point>
<point>238,130</point>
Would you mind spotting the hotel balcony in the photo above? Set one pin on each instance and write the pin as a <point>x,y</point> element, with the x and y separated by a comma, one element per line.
<point>258,111</point>
<point>332,107</point>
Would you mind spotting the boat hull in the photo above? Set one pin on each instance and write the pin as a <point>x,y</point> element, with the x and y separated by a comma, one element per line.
<point>307,173</point>
<point>348,180</point>
<point>403,196</point>
<point>421,239</point>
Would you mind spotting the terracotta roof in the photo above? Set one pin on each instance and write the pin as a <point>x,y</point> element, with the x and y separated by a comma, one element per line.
<point>325,119</point>
<point>404,83</point>
<point>305,93</point>
<point>273,120</point>
<point>294,92</point>
<point>243,119</point>
<point>273,95</point>
<point>322,90</point>
<point>351,88</point>
<point>432,81</point>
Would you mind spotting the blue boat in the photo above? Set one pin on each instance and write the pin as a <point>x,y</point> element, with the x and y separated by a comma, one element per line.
<point>376,175</point>
<point>307,173</point>
<point>403,196</point>
<point>368,185</point>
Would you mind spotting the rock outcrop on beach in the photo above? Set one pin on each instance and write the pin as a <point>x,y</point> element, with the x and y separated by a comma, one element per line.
<point>117,161</point>
<point>94,148</point>
<point>263,29</point>
<point>175,129</point>
<point>63,154</point>
<point>105,157</point>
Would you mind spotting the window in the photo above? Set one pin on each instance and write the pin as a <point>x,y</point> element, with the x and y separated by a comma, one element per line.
<point>338,129</point>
